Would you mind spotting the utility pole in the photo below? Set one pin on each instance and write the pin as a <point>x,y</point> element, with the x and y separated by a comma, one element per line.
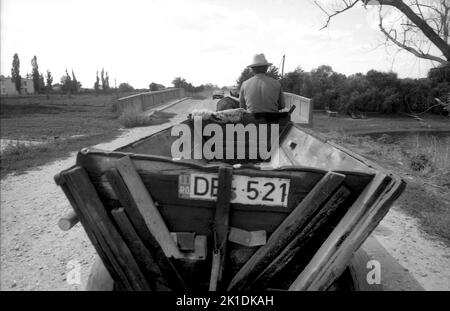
<point>282,68</point>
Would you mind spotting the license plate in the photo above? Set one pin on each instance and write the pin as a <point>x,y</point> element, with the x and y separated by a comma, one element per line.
<point>245,189</point>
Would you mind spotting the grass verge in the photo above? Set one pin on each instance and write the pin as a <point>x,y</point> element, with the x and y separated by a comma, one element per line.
<point>17,158</point>
<point>130,119</point>
<point>423,161</point>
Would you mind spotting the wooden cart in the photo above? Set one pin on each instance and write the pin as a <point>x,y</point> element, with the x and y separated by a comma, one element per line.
<point>293,222</point>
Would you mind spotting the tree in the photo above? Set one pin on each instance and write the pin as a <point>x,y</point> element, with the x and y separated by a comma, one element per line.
<point>49,79</point>
<point>106,86</point>
<point>274,73</point>
<point>41,83</point>
<point>75,85</point>
<point>15,73</point>
<point>97,83</point>
<point>36,76</point>
<point>66,83</point>
<point>125,87</point>
<point>246,74</point>
<point>179,82</point>
<point>102,76</point>
<point>294,81</point>
<point>424,24</point>
<point>153,86</point>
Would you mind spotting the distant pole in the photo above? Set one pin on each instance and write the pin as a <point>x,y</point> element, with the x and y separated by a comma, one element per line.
<point>282,68</point>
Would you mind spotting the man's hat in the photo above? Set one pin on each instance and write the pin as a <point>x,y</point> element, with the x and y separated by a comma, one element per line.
<point>259,60</point>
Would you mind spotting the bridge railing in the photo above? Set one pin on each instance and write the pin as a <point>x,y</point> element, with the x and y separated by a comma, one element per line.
<point>303,113</point>
<point>144,101</point>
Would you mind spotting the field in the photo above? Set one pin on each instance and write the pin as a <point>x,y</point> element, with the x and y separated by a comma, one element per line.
<point>37,129</point>
<point>417,151</point>
<point>379,123</point>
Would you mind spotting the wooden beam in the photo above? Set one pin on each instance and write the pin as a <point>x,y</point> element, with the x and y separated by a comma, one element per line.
<point>215,270</point>
<point>298,242</point>
<point>292,224</point>
<point>93,233</point>
<point>221,221</point>
<point>146,207</point>
<point>337,242</point>
<point>247,238</point>
<point>132,211</point>
<point>354,239</point>
<point>66,222</point>
<point>142,255</point>
<point>90,205</point>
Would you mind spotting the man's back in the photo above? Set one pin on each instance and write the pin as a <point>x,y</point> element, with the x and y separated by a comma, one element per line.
<point>261,93</point>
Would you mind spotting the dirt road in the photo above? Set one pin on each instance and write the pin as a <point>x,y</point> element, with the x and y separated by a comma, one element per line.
<point>36,255</point>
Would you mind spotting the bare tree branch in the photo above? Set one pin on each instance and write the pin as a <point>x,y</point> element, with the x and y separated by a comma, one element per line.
<point>348,6</point>
<point>403,45</point>
<point>425,21</point>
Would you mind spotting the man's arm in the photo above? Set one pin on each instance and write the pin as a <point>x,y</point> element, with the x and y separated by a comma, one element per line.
<point>242,98</point>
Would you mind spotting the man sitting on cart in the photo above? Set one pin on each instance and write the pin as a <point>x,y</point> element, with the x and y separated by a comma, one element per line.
<point>261,93</point>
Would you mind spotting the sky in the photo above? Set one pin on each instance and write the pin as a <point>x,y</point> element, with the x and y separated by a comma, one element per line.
<point>202,41</point>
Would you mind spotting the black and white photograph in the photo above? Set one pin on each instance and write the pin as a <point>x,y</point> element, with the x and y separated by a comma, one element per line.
<point>236,149</point>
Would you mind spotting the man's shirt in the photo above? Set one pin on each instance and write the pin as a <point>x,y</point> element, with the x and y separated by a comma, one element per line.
<point>261,93</point>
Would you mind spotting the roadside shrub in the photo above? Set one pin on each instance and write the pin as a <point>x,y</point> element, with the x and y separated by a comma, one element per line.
<point>131,119</point>
<point>113,108</point>
<point>420,163</point>
<point>385,139</point>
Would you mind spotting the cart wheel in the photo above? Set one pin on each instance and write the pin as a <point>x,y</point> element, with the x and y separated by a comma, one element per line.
<point>99,278</point>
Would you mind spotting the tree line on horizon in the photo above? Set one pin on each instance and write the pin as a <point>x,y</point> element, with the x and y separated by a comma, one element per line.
<point>375,91</point>
<point>68,82</point>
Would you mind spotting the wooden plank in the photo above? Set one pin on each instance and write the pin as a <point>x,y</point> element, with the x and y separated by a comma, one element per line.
<point>288,253</point>
<point>135,217</point>
<point>141,254</point>
<point>286,231</point>
<point>185,241</point>
<point>88,199</point>
<point>215,270</point>
<point>146,206</point>
<point>66,222</point>
<point>324,256</point>
<point>366,224</point>
<point>247,238</point>
<point>93,234</point>
<point>222,217</point>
